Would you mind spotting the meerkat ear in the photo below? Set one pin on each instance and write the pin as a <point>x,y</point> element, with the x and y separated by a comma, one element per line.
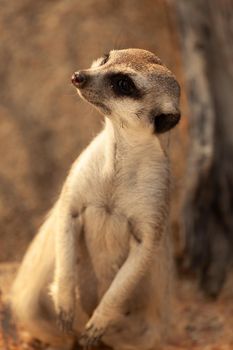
<point>165,122</point>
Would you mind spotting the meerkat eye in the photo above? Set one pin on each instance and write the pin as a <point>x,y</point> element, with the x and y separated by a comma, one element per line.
<point>123,85</point>
<point>105,59</point>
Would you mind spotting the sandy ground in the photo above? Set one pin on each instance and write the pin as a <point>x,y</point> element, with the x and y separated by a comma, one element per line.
<point>198,323</point>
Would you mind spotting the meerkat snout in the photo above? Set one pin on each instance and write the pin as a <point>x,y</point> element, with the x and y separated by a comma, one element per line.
<point>133,88</point>
<point>79,79</point>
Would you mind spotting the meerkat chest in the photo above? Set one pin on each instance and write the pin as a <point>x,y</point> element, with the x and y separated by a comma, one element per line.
<point>112,201</point>
<point>105,218</point>
<point>136,184</point>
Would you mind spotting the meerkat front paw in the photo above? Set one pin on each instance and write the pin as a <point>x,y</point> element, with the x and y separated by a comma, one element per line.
<point>96,328</point>
<point>64,301</point>
<point>91,336</point>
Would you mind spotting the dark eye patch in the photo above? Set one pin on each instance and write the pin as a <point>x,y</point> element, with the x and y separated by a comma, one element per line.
<point>123,86</point>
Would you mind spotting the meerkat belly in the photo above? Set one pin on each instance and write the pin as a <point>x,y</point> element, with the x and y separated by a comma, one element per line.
<point>107,236</point>
<point>104,248</point>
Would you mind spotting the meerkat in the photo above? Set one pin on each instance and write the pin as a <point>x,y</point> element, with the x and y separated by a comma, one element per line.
<point>100,267</point>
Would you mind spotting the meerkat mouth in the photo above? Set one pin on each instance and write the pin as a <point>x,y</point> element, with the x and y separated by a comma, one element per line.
<point>102,106</point>
<point>93,101</point>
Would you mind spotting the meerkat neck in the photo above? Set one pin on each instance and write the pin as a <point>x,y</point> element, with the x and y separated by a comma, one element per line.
<point>117,143</point>
<point>121,142</point>
<point>110,149</point>
<point>125,137</point>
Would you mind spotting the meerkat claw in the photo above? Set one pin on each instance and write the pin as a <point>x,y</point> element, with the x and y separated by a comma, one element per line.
<point>91,337</point>
<point>65,321</point>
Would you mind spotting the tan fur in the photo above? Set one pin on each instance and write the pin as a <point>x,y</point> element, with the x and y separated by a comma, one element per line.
<point>101,263</point>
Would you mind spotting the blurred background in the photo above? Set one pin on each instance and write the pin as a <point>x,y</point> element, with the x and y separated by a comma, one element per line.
<point>44,125</point>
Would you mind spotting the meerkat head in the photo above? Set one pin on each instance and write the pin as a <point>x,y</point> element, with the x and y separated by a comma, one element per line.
<point>133,88</point>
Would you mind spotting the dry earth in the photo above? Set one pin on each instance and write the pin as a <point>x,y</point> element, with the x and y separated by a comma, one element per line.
<point>198,324</point>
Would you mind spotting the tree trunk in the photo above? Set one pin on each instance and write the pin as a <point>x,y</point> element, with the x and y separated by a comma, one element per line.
<point>206,35</point>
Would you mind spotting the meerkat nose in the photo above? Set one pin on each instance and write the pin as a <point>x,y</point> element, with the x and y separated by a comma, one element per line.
<point>79,79</point>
